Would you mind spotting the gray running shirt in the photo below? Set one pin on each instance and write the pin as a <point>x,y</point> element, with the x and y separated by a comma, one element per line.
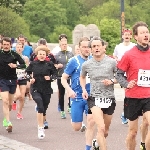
<point>98,71</point>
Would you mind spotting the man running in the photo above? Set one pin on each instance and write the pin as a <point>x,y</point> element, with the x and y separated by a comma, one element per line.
<point>101,101</point>
<point>62,58</point>
<point>137,95</point>
<point>120,50</point>
<point>73,68</point>
<point>8,78</point>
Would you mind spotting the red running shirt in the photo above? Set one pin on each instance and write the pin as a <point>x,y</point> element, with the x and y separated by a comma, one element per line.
<point>131,62</point>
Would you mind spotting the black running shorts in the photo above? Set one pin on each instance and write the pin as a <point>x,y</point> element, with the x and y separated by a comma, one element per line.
<point>134,107</point>
<point>8,85</point>
<point>108,111</point>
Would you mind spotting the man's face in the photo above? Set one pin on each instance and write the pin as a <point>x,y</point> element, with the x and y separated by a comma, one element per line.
<point>126,36</point>
<point>22,40</point>
<point>63,45</point>
<point>77,50</point>
<point>41,55</point>
<point>97,48</point>
<point>84,48</point>
<point>6,45</point>
<point>142,36</point>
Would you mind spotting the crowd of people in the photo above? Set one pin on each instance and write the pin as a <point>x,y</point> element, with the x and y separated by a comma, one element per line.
<point>88,75</point>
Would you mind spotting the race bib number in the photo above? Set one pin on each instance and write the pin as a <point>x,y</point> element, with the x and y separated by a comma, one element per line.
<point>103,102</point>
<point>143,78</point>
<point>87,79</point>
<point>21,74</point>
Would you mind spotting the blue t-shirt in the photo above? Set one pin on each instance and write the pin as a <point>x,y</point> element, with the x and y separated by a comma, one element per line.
<point>73,69</point>
<point>27,51</point>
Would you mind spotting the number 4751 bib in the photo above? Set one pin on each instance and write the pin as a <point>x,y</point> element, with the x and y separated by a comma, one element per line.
<point>143,78</point>
<point>103,102</point>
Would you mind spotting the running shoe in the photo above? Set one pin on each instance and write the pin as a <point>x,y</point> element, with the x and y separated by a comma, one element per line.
<point>41,133</point>
<point>19,116</point>
<point>9,127</point>
<point>14,106</point>
<point>63,115</point>
<point>45,125</point>
<point>95,145</point>
<point>142,146</point>
<point>124,120</point>
<point>83,128</point>
<point>4,122</point>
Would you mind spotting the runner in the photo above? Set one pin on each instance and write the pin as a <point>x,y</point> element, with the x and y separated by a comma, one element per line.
<point>119,51</point>
<point>137,96</point>
<point>8,78</point>
<point>62,59</point>
<point>73,68</point>
<point>61,38</point>
<point>41,73</point>
<point>77,50</point>
<point>101,101</point>
<point>21,83</point>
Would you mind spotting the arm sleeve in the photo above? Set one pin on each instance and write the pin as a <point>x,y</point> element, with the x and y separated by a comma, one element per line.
<point>122,80</point>
<point>21,62</point>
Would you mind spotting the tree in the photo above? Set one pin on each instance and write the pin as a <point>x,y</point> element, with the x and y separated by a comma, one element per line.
<point>72,12</point>
<point>110,32</point>
<point>15,5</point>
<point>11,24</point>
<point>59,30</point>
<point>111,10</point>
<point>43,16</point>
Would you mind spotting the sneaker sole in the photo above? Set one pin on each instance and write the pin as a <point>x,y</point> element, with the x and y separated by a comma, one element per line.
<point>9,129</point>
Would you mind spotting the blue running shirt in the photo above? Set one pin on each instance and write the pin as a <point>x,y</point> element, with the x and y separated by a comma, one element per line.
<point>73,69</point>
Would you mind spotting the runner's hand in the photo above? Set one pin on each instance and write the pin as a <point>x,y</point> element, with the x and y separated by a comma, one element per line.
<point>71,94</point>
<point>11,65</point>
<point>131,84</point>
<point>107,82</point>
<point>85,94</point>
<point>47,77</point>
<point>32,80</point>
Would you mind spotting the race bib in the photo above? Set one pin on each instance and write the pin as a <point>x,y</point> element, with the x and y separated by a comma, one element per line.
<point>21,74</point>
<point>143,78</point>
<point>87,79</point>
<point>103,102</point>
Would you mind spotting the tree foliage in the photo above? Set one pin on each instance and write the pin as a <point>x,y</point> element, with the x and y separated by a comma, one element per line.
<point>11,24</point>
<point>43,16</point>
<point>59,30</point>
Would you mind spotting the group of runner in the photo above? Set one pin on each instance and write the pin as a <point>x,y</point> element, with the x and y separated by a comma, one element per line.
<point>88,77</point>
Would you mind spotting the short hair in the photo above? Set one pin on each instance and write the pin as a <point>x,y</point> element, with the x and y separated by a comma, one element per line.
<point>7,39</point>
<point>42,41</point>
<point>83,39</point>
<point>42,48</point>
<point>21,36</point>
<point>96,38</point>
<point>62,36</point>
<point>138,24</point>
<point>18,43</point>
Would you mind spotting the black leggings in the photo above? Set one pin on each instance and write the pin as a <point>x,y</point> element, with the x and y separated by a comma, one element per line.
<point>62,94</point>
<point>42,100</point>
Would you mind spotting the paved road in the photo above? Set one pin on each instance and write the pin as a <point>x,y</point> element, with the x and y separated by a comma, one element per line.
<point>60,135</point>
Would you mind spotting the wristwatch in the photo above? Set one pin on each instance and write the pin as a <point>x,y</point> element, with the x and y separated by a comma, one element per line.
<point>112,80</point>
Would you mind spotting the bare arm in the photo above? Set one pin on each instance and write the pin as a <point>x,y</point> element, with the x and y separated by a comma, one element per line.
<point>65,84</point>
